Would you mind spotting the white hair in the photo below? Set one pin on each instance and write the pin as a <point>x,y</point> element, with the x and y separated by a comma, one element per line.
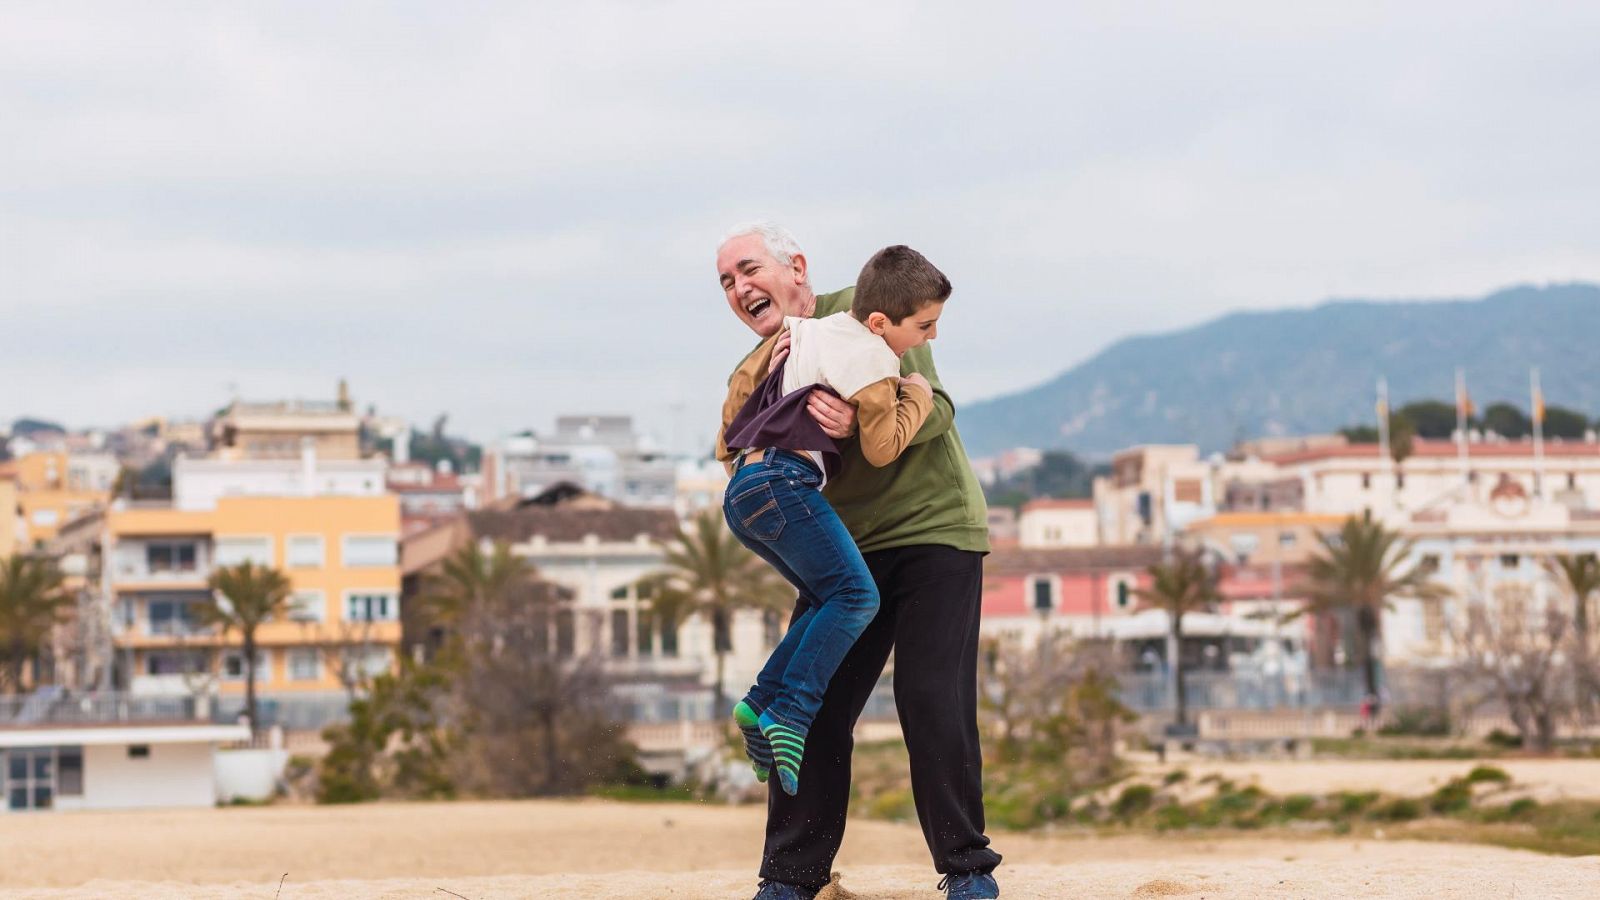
<point>779,242</point>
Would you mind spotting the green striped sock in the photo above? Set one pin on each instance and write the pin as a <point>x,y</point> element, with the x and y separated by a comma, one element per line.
<point>755,744</point>
<point>788,746</point>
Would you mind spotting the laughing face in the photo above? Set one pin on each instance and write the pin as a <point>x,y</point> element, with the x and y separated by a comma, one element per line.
<point>761,290</point>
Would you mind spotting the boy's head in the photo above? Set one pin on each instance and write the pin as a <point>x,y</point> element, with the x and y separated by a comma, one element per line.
<point>899,296</point>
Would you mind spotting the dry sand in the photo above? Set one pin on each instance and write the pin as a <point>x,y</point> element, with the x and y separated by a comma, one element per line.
<point>499,851</point>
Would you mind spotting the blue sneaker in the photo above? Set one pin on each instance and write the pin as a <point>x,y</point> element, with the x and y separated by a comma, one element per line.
<point>778,890</point>
<point>970,886</point>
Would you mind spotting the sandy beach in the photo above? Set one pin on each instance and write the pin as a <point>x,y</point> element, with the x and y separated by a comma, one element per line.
<point>593,849</point>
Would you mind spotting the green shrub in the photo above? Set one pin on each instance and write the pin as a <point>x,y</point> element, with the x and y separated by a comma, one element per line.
<point>1134,800</point>
<point>1454,797</point>
<point>1503,739</point>
<point>1400,809</point>
<point>1353,803</point>
<point>1488,775</point>
<point>1176,776</point>
<point>1522,806</point>
<point>1417,722</point>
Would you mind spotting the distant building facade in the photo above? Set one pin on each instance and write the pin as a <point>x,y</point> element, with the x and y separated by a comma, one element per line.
<point>601,454</point>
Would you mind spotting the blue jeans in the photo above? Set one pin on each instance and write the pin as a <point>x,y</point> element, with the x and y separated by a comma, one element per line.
<point>774,507</point>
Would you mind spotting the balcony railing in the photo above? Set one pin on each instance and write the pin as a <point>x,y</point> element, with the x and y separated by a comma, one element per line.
<point>53,707</point>
<point>140,574</point>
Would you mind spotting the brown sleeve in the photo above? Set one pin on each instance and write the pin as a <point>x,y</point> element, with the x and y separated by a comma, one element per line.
<point>889,415</point>
<point>740,387</point>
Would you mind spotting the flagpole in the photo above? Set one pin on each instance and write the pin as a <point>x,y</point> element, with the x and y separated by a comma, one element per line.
<point>1383,424</point>
<point>1461,425</point>
<point>1538,432</point>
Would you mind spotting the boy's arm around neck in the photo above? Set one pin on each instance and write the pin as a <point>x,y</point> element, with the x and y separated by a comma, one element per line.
<point>943,414</point>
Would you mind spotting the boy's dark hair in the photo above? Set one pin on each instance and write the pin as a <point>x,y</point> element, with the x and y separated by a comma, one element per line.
<point>897,281</point>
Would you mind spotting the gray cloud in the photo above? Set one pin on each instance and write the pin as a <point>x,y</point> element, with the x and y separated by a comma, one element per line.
<point>508,210</point>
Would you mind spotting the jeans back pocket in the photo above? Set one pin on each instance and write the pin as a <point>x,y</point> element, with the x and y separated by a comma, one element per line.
<point>757,513</point>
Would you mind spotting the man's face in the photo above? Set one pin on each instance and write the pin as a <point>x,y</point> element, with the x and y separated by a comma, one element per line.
<point>761,290</point>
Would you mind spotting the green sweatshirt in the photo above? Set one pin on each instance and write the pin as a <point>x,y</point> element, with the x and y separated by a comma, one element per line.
<point>927,496</point>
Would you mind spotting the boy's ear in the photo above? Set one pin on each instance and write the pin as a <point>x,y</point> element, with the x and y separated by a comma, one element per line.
<point>877,323</point>
<point>797,268</point>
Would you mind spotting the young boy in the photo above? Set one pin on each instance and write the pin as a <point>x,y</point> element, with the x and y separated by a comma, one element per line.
<point>781,459</point>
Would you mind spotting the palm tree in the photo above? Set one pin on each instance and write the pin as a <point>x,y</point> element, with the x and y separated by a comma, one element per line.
<point>1179,586</point>
<point>1362,570</point>
<point>707,571</point>
<point>472,579</point>
<point>1580,575</point>
<point>243,597</point>
<point>33,600</point>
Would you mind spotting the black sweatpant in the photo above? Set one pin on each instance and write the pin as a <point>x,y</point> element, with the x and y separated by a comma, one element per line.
<point>928,614</point>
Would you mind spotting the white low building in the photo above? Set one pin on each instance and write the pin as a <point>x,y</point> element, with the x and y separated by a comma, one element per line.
<point>73,762</point>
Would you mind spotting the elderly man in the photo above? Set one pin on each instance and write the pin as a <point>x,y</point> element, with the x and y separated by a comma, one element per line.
<point>921,525</point>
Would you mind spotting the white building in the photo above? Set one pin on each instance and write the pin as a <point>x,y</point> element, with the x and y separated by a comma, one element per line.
<point>601,454</point>
<point>198,483</point>
<point>90,753</point>
<point>1058,523</point>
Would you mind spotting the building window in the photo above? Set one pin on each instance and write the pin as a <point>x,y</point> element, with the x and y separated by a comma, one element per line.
<point>44,518</point>
<point>176,617</point>
<point>669,639</point>
<point>175,662</point>
<point>361,552</point>
<point>371,606</point>
<point>566,633</point>
<point>619,632</point>
<point>1366,481</point>
<point>1510,560</point>
<point>305,664</point>
<point>1399,479</point>
<point>1042,590</point>
<point>306,606</point>
<point>138,751</point>
<point>1287,539</point>
<point>645,633</point>
<point>363,662</point>
<point>232,551</point>
<point>69,772</point>
<point>170,557</point>
<point>306,552</point>
<point>233,666</point>
<point>1432,619</point>
<point>1124,595</point>
<point>620,593</point>
<point>1572,480</point>
<point>1429,563</point>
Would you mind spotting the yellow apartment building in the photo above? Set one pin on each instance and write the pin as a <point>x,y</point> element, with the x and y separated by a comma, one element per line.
<point>55,488</point>
<point>339,552</point>
<point>10,524</point>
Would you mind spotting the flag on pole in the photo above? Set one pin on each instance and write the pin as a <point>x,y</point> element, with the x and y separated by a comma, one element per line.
<point>1384,452</point>
<point>1538,432</point>
<point>1463,413</point>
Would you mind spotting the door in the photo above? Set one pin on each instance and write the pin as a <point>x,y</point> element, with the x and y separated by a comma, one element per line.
<point>30,781</point>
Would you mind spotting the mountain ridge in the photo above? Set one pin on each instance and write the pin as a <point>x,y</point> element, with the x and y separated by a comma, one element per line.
<point>1252,373</point>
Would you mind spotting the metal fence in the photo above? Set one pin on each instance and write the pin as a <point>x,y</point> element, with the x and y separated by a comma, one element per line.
<point>57,707</point>
<point>1146,692</point>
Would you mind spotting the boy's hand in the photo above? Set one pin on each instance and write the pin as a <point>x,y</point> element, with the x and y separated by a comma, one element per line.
<point>917,378</point>
<point>780,350</point>
<point>837,418</point>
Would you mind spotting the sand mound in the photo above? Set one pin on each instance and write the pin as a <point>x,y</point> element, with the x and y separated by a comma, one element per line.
<point>1161,887</point>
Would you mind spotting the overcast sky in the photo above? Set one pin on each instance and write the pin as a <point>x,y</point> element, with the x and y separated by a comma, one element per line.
<point>509,211</point>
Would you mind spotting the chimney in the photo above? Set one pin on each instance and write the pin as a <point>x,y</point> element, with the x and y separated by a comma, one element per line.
<point>402,446</point>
